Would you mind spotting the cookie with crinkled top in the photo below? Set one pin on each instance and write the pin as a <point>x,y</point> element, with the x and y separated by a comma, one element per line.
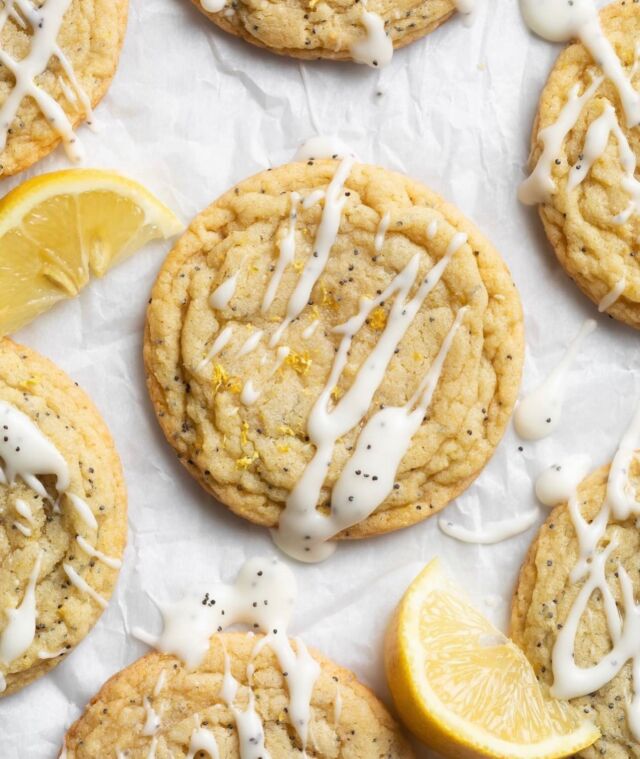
<point>595,252</point>
<point>545,594</point>
<point>251,456</point>
<point>91,38</point>
<point>347,720</point>
<point>69,421</point>
<point>326,29</point>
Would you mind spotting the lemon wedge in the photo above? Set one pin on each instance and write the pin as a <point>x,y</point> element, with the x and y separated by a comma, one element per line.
<point>58,228</point>
<point>464,688</point>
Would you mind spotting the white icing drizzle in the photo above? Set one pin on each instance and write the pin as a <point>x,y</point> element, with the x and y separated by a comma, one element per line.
<point>322,146</point>
<point>160,683</point>
<point>3,683</point>
<point>250,731</point>
<point>229,683</point>
<point>213,6</point>
<point>308,332</point>
<point>83,510</point>
<point>621,497</point>
<point>375,48</point>
<point>324,240</point>
<point>45,23</point>
<point>303,530</point>
<point>287,252</point>
<point>613,296</point>
<point>221,296</point>
<point>381,232</point>
<point>202,740</point>
<point>218,344</point>
<point>26,531</point>
<point>20,630</point>
<point>467,8</point>
<point>312,199</point>
<point>557,484</point>
<point>251,343</point>
<point>109,561</point>
<point>151,754</point>
<point>23,508</point>
<point>152,721</point>
<point>281,357</point>
<point>249,394</point>
<point>262,597</point>
<point>596,141</point>
<point>432,229</point>
<point>561,21</point>
<point>570,679</point>
<point>538,414</point>
<point>26,453</point>
<point>540,186</point>
<point>494,532</point>
<point>52,654</point>
<point>80,583</point>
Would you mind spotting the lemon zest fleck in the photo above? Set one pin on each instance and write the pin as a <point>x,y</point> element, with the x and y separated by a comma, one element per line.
<point>222,381</point>
<point>284,429</point>
<point>246,461</point>
<point>378,318</point>
<point>327,298</point>
<point>299,362</point>
<point>243,433</point>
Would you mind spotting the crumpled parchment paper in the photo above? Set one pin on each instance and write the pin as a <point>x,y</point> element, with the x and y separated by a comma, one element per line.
<point>191,112</point>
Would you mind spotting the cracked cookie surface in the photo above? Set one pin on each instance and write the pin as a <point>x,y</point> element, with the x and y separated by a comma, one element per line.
<point>597,253</point>
<point>50,525</point>
<point>359,727</point>
<point>251,456</point>
<point>309,29</point>
<point>545,594</point>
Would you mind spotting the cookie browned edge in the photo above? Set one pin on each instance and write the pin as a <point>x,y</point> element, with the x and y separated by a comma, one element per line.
<point>310,55</point>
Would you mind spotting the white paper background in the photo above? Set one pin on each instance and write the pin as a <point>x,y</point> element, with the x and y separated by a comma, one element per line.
<point>190,113</point>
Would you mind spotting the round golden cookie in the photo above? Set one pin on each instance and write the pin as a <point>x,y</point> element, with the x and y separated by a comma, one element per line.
<point>595,252</point>
<point>251,456</point>
<point>545,594</point>
<point>91,37</point>
<point>326,29</point>
<point>93,506</point>
<point>347,720</point>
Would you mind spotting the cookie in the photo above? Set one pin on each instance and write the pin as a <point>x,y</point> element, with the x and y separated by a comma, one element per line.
<point>549,587</point>
<point>157,702</point>
<point>332,29</point>
<point>58,59</point>
<point>585,145</point>
<point>277,407</point>
<point>63,516</point>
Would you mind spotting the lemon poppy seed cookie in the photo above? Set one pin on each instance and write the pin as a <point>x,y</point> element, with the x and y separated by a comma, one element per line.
<point>57,59</point>
<point>574,610</point>
<point>333,350</point>
<point>585,148</point>
<point>62,516</point>
<point>366,32</point>
<point>158,704</point>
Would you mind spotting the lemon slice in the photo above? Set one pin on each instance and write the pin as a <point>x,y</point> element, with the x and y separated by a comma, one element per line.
<point>57,228</point>
<point>464,688</point>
